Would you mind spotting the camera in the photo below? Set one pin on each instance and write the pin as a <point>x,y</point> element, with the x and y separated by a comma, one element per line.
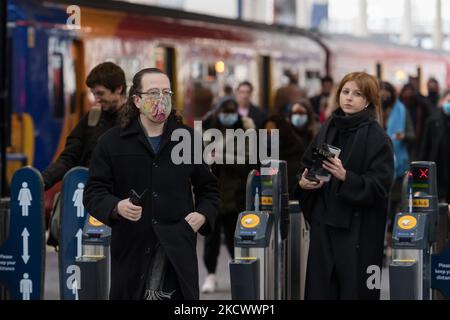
<point>135,198</point>
<point>317,172</point>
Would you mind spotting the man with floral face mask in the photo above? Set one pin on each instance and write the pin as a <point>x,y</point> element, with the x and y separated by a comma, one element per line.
<point>436,147</point>
<point>154,233</point>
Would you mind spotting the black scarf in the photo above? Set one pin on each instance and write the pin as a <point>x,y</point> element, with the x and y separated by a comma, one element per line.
<point>349,133</point>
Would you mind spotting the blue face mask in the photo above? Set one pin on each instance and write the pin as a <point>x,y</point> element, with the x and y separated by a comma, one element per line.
<point>299,120</point>
<point>228,119</point>
<point>446,108</point>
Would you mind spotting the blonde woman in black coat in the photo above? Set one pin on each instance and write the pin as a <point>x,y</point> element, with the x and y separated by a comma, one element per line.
<point>347,215</point>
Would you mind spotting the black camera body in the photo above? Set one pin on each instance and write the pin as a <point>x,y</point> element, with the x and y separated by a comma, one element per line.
<point>137,199</point>
<point>323,153</point>
<point>317,172</point>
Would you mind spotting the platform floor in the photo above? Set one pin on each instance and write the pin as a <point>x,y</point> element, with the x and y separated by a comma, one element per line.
<point>51,291</point>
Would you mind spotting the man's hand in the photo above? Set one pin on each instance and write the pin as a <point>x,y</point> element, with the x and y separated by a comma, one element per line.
<point>195,220</point>
<point>128,210</point>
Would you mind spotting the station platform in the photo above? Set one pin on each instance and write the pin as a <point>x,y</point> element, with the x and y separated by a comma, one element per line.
<point>51,290</point>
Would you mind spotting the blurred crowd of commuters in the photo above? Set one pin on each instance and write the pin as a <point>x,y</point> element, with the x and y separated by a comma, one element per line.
<point>416,124</point>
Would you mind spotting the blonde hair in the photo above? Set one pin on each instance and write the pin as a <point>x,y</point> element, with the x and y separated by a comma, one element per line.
<point>370,89</point>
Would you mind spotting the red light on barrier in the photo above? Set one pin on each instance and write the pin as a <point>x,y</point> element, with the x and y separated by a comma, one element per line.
<point>423,174</point>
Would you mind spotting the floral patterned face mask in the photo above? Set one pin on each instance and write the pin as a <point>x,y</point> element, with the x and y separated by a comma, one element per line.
<point>156,110</point>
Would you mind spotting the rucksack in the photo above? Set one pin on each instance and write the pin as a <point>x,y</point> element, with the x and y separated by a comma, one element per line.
<point>54,223</point>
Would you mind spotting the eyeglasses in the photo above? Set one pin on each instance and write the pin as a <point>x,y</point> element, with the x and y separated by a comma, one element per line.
<point>156,93</point>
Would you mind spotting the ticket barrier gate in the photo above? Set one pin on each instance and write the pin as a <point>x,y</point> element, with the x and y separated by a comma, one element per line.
<point>94,264</point>
<point>22,229</point>
<point>4,232</point>
<point>297,251</point>
<point>413,236</point>
<point>258,271</point>
<point>83,246</point>
<point>441,255</point>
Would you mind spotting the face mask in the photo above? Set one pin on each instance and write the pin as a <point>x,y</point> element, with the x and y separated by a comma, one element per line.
<point>446,108</point>
<point>299,120</point>
<point>228,119</point>
<point>157,110</point>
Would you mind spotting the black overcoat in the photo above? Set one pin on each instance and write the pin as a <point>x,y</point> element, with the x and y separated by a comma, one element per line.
<point>124,160</point>
<point>79,146</point>
<point>354,212</point>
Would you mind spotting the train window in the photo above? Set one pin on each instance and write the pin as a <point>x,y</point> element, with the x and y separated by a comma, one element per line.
<point>56,77</point>
<point>241,73</point>
<point>211,70</point>
<point>312,74</point>
<point>197,70</point>
<point>160,59</point>
<point>231,70</point>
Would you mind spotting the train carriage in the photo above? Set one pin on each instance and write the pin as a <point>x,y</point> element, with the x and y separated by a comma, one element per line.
<point>50,56</point>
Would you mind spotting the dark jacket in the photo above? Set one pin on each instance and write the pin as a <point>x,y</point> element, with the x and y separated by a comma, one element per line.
<point>124,160</point>
<point>291,148</point>
<point>316,103</point>
<point>420,111</point>
<point>292,154</point>
<point>359,204</point>
<point>257,115</point>
<point>232,176</point>
<point>79,145</point>
<point>435,148</point>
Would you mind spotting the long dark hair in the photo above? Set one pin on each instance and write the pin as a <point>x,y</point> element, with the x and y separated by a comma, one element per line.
<point>129,112</point>
<point>384,85</point>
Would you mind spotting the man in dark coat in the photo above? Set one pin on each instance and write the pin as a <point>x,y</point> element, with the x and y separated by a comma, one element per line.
<point>107,83</point>
<point>245,107</point>
<point>153,245</point>
<point>420,110</point>
<point>436,148</point>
